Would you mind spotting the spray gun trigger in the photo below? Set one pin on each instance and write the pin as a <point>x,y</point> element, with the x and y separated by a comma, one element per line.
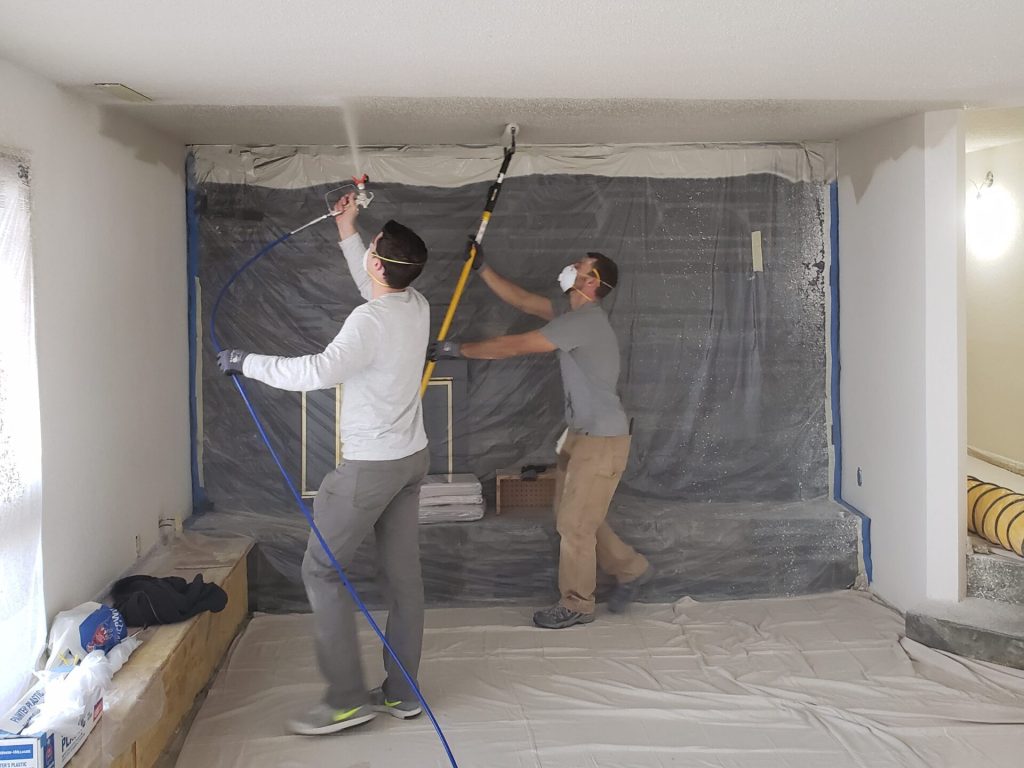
<point>363,198</point>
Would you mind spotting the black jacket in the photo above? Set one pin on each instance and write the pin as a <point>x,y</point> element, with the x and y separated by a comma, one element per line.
<point>145,600</point>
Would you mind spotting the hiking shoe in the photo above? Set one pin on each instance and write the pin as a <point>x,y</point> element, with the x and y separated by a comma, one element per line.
<point>403,710</point>
<point>559,617</point>
<point>323,719</point>
<point>624,594</point>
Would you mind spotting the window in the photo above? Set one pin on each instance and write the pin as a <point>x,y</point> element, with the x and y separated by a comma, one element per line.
<point>22,616</point>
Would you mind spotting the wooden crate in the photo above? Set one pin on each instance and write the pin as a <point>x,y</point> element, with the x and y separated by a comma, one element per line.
<point>155,690</point>
<point>513,491</point>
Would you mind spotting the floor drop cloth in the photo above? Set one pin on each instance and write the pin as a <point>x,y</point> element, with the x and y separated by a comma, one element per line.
<point>816,682</point>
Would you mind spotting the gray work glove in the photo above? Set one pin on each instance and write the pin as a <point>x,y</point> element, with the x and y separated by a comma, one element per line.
<point>230,361</point>
<point>444,350</point>
<point>479,260</point>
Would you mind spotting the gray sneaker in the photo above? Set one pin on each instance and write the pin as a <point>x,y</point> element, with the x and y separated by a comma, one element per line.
<point>323,719</point>
<point>624,594</point>
<point>403,710</point>
<point>560,617</point>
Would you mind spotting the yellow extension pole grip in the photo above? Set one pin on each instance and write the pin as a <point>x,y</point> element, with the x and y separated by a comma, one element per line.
<point>460,286</point>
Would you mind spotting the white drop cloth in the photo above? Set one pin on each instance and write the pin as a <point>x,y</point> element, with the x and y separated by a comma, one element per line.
<point>444,501</point>
<point>817,682</point>
<point>451,513</point>
<point>447,486</point>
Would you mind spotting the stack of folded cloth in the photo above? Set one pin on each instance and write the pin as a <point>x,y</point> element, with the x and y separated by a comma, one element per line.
<point>451,498</point>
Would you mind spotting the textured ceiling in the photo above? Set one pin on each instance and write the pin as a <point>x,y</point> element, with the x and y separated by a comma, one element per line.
<point>398,121</point>
<point>994,127</point>
<point>574,71</point>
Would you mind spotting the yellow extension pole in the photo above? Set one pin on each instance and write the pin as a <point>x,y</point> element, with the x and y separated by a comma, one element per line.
<point>460,286</point>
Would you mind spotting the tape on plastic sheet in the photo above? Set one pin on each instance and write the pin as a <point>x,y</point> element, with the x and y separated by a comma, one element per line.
<point>755,251</point>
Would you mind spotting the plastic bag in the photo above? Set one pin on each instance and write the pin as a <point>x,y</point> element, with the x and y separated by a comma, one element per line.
<point>86,628</point>
<point>67,695</point>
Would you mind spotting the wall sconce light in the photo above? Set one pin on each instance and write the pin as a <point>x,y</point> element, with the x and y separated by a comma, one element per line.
<point>988,182</point>
<point>991,220</point>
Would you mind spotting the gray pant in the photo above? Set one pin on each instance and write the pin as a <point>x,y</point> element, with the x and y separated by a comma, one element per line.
<point>353,499</point>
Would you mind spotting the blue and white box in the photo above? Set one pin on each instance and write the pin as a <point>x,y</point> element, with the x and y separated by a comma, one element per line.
<point>50,750</point>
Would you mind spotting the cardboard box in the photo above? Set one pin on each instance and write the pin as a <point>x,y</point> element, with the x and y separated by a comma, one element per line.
<point>50,750</point>
<point>23,711</point>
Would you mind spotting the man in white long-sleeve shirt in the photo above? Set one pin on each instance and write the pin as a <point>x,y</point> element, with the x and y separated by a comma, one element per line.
<point>378,354</point>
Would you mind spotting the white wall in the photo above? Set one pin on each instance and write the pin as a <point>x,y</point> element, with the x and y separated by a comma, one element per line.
<point>108,225</point>
<point>995,320</point>
<point>945,372</point>
<point>891,227</point>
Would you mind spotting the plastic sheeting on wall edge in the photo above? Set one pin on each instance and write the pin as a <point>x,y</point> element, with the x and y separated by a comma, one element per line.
<point>22,611</point>
<point>723,368</point>
<point>288,167</point>
<point>708,551</point>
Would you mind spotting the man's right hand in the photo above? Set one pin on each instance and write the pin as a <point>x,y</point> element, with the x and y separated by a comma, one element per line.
<point>346,211</point>
<point>479,260</point>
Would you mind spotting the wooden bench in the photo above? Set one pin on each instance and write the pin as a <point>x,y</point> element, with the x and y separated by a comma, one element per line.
<point>156,689</point>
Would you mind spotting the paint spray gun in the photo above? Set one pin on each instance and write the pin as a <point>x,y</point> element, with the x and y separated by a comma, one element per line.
<point>363,198</point>
<point>358,187</point>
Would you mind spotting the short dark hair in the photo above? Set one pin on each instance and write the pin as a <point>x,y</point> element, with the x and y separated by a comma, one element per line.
<point>607,273</point>
<point>401,244</point>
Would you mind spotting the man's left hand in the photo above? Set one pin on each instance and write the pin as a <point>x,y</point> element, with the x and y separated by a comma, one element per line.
<point>444,350</point>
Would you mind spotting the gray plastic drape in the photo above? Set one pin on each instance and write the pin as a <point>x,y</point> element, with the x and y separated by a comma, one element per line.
<point>723,364</point>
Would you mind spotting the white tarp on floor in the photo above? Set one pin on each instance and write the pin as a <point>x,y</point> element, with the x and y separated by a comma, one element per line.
<point>813,682</point>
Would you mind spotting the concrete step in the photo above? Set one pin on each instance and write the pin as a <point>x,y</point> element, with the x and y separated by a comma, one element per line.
<point>996,577</point>
<point>705,551</point>
<point>978,629</point>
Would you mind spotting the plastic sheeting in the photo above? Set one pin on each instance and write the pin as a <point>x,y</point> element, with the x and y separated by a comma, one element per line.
<point>707,551</point>
<point>723,366</point>
<point>804,683</point>
<point>282,167</point>
<point>22,616</point>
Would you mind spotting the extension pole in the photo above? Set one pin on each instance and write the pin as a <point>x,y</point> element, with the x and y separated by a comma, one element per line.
<point>460,286</point>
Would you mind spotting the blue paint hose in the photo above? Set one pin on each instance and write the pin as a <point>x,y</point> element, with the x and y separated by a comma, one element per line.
<point>295,492</point>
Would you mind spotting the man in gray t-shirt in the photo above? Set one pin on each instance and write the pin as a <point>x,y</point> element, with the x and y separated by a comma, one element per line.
<point>588,354</point>
<point>595,448</point>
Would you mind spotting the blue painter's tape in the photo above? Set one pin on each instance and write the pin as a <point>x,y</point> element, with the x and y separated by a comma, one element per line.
<point>199,501</point>
<point>837,421</point>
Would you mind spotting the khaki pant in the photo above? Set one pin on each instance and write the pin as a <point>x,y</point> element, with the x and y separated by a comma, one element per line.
<point>589,469</point>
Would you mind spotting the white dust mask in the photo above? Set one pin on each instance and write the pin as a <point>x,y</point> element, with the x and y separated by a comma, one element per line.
<point>567,278</point>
